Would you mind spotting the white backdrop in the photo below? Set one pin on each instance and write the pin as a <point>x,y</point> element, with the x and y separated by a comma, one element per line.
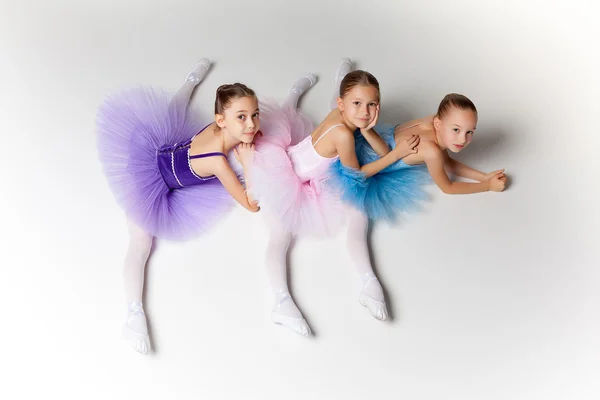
<point>493,296</point>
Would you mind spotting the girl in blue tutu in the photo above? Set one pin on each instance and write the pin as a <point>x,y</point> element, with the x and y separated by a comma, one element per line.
<point>169,171</point>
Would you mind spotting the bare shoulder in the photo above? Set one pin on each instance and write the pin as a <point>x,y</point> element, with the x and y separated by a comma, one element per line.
<point>430,151</point>
<point>220,163</point>
<point>334,127</point>
<point>419,127</point>
<point>208,140</point>
<point>342,134</point>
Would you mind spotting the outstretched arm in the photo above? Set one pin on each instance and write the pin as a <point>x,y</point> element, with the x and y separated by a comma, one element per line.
<point>462,170</point>
<point>459,169</point>
<point>435,160</point>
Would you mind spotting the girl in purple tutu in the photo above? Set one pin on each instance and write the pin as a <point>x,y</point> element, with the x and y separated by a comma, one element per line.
<point>169,171</point>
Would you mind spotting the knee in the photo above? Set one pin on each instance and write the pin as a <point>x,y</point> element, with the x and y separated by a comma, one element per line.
<point>358,224</point>
<point>141,241</point>
<point>279,240</point>
<point>278,245</point>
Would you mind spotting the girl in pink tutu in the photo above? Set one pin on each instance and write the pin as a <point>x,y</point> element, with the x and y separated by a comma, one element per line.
<point>290,180</point>
<point>168,170</point>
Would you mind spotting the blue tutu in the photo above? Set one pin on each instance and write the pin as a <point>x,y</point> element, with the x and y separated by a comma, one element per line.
<point>384,196</point>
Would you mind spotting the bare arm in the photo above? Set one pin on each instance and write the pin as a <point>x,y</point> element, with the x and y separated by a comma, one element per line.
<point>344,144</point>
<point>462,170</point>
<point>248,182</point>
<point>435,160</point>
<point>376,142</point>
<point>244,154</point>
<point>231,183</point>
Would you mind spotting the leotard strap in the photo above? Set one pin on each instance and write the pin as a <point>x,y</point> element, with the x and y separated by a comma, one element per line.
<point>326,132</point>
<point>204,155</point>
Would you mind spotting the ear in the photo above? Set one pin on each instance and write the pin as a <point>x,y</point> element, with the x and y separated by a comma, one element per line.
<point>220,120</point>
<point>437,123</point>
<point>340,103</point>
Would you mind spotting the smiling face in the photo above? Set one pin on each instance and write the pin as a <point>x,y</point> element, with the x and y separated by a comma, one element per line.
<point>359,105</point>
<point>240,118</point>
<point>359,98</point>
<point>455,128</point>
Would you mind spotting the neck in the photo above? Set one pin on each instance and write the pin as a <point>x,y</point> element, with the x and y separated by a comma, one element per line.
<point>349,124</point>
<point>436,139</point>
<point>229,142</point>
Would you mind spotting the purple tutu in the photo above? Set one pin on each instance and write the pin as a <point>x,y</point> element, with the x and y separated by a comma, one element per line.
<point>132,126</point>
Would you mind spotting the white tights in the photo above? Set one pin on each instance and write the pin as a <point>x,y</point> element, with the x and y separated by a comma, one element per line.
<point>285,311</point>
<point>135,329</point>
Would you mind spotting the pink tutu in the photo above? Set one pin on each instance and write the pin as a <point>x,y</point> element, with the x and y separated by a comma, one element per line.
<point>289,179</point>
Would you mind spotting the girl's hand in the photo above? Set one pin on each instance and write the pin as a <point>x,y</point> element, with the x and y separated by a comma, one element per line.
<point>374,122</point>
<point>244,153</point>
<point>407,147</point>
<point>492,174</point>
<point>497,182</point>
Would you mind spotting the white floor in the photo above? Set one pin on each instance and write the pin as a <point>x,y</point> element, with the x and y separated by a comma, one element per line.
<point>493,296</point>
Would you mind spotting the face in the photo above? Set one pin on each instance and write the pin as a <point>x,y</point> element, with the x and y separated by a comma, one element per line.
<point>359,105</point>
<point>240,119</point>
<point>456,129</point>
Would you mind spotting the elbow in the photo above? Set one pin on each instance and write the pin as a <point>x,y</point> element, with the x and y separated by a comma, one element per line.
<point>383,151</point>
<point>447,189</point>
<point>253,207</point>
<point>365,174</point>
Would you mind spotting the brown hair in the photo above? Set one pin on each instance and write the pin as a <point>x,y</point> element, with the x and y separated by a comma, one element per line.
<point>454,100</point>
<point>356,78</point>
<point>229,92</point>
